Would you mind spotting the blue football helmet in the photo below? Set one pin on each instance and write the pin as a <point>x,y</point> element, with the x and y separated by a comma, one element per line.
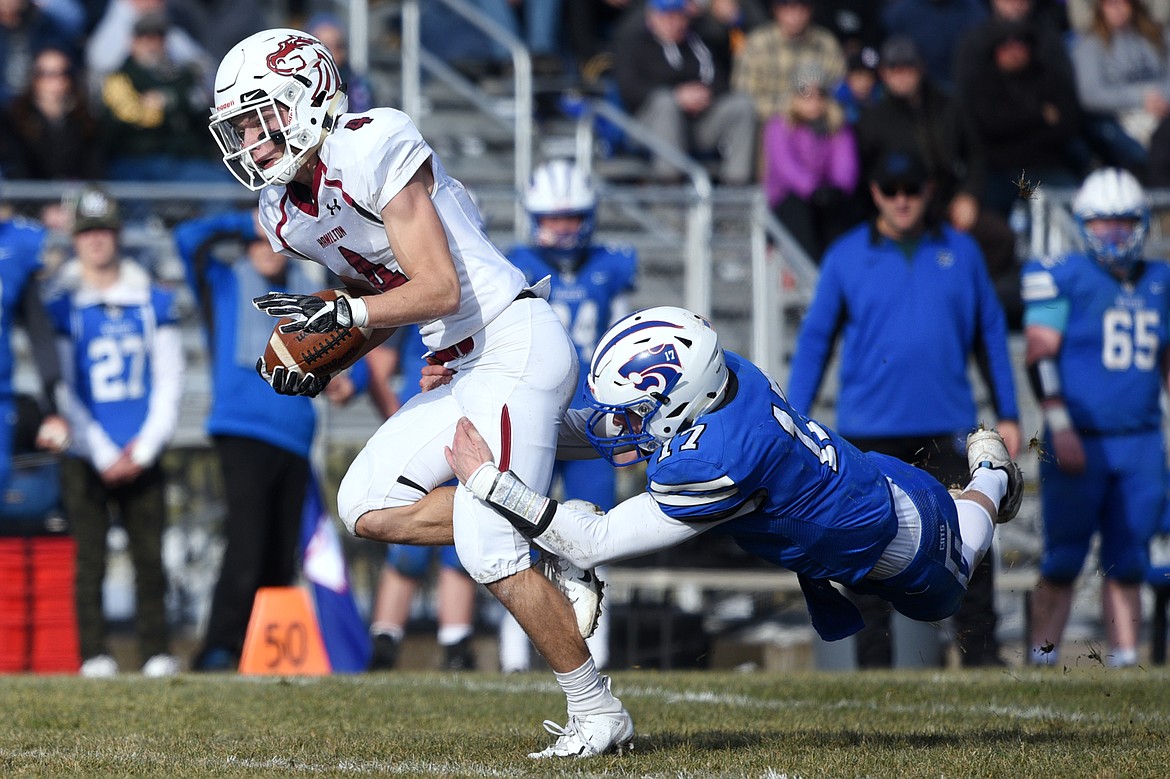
<point>560,188</point>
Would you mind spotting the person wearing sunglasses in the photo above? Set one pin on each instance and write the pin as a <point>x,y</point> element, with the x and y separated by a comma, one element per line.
<point>912,302</point>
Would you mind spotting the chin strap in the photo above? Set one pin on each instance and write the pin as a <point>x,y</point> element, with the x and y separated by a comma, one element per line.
<point>527,510</point>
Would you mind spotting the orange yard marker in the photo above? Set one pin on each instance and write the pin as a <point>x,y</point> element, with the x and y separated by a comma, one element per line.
<point>283,636</point>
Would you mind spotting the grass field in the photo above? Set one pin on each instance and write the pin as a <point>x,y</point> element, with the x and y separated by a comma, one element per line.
<point>1009,723</point>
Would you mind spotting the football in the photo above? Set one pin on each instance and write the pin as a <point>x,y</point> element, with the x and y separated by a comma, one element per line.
<point>322,354</point>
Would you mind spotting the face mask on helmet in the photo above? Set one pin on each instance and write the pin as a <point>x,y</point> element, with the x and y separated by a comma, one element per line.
<point>277,94</point>
<point>652,375</point>
<point>1113,217</point>
<point>561,189</point>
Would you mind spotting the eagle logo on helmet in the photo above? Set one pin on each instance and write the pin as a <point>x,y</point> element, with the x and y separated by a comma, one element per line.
<point>656,369</point>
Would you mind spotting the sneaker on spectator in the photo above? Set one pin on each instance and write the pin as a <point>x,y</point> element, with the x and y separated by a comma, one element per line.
<point>99,667</point>
<point>459,656</point>
<point>216,659</point>
<point>161,665</point>
<point>385,654</point>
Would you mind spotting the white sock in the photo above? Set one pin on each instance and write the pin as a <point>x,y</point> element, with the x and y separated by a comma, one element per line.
<point>586,692</point>
<point>977,529</point>
<point>1121,658</point>
<point>1038,655</point>
<point>450,635</point>
<point>395,632</point>
<point>991,482</point>
<point>515,649</point>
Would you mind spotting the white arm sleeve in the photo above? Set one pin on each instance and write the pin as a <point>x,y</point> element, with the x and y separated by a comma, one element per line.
<point>90,440</point>
<point>166,376</point>
<point>633,528</point>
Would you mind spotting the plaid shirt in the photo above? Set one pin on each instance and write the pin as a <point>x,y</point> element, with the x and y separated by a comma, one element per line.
<point>765,66</point>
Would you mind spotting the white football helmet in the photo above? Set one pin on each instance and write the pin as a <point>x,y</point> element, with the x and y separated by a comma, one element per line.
<point>287,80</point>
<point>560,188</point>
<point>652,375</point>
<point>1113,193</point>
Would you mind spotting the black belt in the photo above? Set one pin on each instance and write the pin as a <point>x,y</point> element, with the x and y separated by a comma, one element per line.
<point>465,346</point>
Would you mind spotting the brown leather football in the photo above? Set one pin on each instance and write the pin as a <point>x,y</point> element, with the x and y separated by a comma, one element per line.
<point>321,354</point>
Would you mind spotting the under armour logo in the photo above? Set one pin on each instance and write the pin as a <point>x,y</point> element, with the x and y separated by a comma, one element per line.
<point>333,207</point>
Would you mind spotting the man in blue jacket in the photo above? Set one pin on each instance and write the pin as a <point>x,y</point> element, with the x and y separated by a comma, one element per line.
<point>912,301</point>
<point>262,439</point>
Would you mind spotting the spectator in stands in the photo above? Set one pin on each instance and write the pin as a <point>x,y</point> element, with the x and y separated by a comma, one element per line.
<point>729,21</point>
<point>915,115</point>
<point>57,136</point>
<point>810,164</point>
<point>24,30</point>
<point>20,302</point>
<point>670,80</point>
<point>861,87</point>
<point>118,337</point>
<point>912,301</point>
<point>766,66</point>
<point>1122,67</point>
<point>327,28</point>
<point>1079,13</point>
<point>591,285</point>
<point>407,566</point>
<point>1049,38</point>
<point>155,114</point>
<point>112,38</point>
<point>1096,356</point>
<point>936,27</point>
<point>1025,115</point>
<point>856,24</point>
<point>262,441</point>
<point>590,25</point>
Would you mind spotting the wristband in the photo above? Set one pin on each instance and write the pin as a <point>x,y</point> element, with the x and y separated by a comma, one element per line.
<point>528,511</point>
<point>1057,419</point>
<point>359,311</point>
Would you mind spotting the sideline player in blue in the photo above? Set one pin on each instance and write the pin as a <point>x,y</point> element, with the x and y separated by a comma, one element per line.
<point>591,284</point>
<point>262,442</point>
<point>728,454</point>
<point>122,355</point>
<point>1096,328</point>
<point>20,300</point>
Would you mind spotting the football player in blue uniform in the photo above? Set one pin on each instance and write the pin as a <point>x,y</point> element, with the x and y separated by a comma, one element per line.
<point>118,337</point>
<point>1096,329</point>
<point>727,454</point>
<point>590,290</point>
<point>20,300</point>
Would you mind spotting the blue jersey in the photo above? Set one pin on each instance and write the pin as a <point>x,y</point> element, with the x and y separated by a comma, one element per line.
<point>583,298</point>
<point>242,404</point>
<point>802,496</point>
<point>20,251</point>
<point>1114,334</point>
<point>908,326</point>
<point>112,355</point>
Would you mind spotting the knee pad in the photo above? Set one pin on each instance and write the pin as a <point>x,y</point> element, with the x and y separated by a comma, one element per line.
<point>1126,568</point>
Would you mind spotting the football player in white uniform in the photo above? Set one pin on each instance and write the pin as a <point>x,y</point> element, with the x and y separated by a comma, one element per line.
<point>366,196</point>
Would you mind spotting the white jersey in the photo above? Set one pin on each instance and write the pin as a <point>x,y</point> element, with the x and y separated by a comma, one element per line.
<point>363,164</point>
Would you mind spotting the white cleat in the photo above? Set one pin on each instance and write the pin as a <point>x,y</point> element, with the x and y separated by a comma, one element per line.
<point>986,449</point>
<point>590,735</point>
<point>580,586</point>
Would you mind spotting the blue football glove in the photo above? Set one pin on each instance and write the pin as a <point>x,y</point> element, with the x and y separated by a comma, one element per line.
<point>307,312</point>
<point>289,382</point>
